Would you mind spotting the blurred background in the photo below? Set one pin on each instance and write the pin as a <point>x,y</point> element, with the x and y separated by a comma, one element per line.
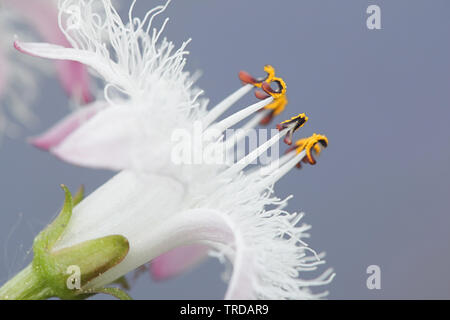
<point>379,194</point>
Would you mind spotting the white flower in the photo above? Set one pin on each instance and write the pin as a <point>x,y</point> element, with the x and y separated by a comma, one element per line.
<point>159,205</point>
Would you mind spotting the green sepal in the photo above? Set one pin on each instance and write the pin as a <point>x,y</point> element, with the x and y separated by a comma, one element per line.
<point>79,196</point>
<point>92,257</point>
<point>47,238</point>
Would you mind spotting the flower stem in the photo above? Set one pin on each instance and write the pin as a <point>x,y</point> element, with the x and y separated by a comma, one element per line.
<point>26,285</point>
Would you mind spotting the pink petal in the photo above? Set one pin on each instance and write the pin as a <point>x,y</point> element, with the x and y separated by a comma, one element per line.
<point>177,261</point>
<point>108,140</point>
<point>114,137</point>
<point>56,134</point>
<point>43,16</point>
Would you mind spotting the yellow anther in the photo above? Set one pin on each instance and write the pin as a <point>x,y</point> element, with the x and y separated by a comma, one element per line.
<point>311,143</point>
<point>257,82</point>
<point>277,106</point>
<point>299,121</point>
<point>274,108</point>
<point>293,124</point>
<point>270,73</point>
<point>279,92</point>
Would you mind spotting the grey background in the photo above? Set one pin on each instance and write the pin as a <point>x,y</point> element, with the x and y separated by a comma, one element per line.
<point>380,192</point>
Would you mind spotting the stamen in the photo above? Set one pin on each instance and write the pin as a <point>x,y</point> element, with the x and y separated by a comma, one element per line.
<point>251,82</point>
<point>277,174</point>
<point>303,153</point>
<point>294,123</point>
<point>243,131</point>
<point>275,108</point>
<point>304,160</point>
<point>226,103</point>
<point>279,95</point>
<point>276,93</point>
<point>261,95</point>
<point>269,111</point>
<point>265,171</point>
<point>244,162</point>
<point>310,144</point>
<point>247,78</point>
<point>240,115</point>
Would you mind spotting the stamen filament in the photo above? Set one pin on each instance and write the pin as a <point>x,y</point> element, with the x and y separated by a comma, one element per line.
<point>242,132</point>
<point>225,104</point>
<point>279,173</point>
<point>272,166</point>
<point>240,115</point>
<point>241,164</point>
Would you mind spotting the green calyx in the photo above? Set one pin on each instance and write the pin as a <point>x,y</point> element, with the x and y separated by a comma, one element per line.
<point>64,273</point>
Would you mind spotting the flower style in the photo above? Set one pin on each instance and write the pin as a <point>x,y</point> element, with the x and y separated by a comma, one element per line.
<point>167,210</point>
<point>41,16</point>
